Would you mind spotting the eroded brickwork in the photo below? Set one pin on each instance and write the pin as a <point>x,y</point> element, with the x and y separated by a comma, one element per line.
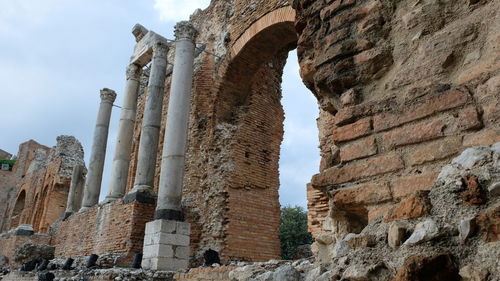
<point>403,88</point>
<point>110,228</point>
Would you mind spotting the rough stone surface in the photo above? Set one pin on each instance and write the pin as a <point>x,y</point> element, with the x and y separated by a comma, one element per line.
<point>33,252</point>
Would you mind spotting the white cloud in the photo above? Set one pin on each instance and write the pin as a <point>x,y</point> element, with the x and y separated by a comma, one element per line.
<point>172,10</point>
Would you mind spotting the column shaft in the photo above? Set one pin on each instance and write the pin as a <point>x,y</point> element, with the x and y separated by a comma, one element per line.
<point>148,145</point>
<point>173,159</point>
<point>121,160</point>
<point>98,154</point>
<point>75,190</point>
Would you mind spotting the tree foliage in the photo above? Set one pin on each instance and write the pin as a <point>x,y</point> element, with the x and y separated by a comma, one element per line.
<point>8,162</point>
<point>293,230</point>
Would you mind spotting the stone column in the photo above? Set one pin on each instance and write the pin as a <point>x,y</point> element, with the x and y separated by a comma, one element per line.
<point>166,240</point>
<point>75,191</point>
<point>121,160</point>
<point>174,148</point>
<point>150,132</point>
<point>98,154</point>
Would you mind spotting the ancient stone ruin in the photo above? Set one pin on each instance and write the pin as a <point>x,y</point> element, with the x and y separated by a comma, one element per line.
<point>409,182</point>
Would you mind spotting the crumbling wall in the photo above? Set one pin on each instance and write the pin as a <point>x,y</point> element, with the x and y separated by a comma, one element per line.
<point>37,190</point>
<point>111,228</point>
<point>403,86</point>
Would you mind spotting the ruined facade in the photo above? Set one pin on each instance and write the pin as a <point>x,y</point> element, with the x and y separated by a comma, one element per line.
<point>403,87</point>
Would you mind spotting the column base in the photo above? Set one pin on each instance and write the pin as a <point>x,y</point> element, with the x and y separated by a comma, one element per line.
<point>66,215</point>
<point>141,195</point>
<point>169,214</point>
<point>83,209</point>
<point>166,245</point>
<point>110,199</point>
<point>23,230</point>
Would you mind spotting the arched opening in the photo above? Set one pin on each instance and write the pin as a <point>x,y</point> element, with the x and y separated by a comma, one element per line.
<point>56,206</point>
<point>37,218</point>
<point>250,111</point>
<point>18,210</point>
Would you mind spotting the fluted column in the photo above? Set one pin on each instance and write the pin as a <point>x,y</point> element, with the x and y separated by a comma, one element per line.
<point>174,148</point>
<point>121,160</point>
<point>98,154</point>
<point>148,145</point>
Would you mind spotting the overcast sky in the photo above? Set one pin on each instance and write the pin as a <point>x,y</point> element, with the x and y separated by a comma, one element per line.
<point>55,55</point>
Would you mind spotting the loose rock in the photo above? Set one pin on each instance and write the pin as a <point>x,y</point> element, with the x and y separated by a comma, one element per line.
<point>424,231</point>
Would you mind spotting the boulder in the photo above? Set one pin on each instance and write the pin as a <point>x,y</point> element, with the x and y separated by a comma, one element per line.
<point>466,229</point>
<point>472,273</point>
<point>286,273</point>
<point>4,261</point>
<point>494,189</point>
<point>424,231</point>
<point>438,267</point>
<point>396,234</point>
<point>472,157</point>
<point>33,252</point>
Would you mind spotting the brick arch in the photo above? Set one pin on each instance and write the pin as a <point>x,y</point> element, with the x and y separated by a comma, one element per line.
<point>249,97</point>
<point>282,15</point>
<point>265,38</point>
<point>18,208</point>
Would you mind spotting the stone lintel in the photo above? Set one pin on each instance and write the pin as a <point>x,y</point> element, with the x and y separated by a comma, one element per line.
<point>139,31</point>
<point>143,51</point>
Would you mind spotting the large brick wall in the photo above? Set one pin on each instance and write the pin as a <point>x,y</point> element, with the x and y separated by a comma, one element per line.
<point>110,228</point>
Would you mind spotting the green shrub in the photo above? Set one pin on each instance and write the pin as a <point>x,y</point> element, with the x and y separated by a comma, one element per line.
<point>293,230</point>
<point>9,162</point>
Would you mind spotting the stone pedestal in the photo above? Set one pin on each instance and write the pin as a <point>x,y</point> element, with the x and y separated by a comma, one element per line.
<point>166,245</point>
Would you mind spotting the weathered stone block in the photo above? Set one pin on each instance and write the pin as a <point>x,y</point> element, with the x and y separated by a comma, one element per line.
<point>182,252</point>
<point>164,226</point>
<point>417,133</point>
<point>371,167</point>
<point>352,131</point>
<point>413,207</point>
<point>359,149</point>
<point>158,250</point>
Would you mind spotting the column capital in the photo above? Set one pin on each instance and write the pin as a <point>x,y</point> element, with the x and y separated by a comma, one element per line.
<point>160,50</point>
<point>133,72</point>
<point>185,30</point>
<point>108,95</point>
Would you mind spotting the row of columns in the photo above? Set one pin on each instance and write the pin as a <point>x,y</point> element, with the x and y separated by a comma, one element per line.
<point>168,208</point>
